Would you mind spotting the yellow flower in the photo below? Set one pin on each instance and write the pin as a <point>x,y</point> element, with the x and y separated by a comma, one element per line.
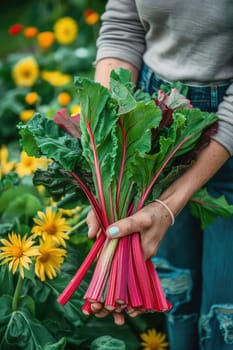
<point>45,40</point>
<point>25,72</point>
<point>64,98</point>
<point>56,78</point>
<point>26,114</point>
<point>153,340</point>
<point>32,98</point>
<point>28,165</point>
<point>70,212</point>
<point>50,259</point>
<point>66,30</point>
<point>75,109</point>
<point>51,224</point>
<point>17,252</point>
<point>5,165</point>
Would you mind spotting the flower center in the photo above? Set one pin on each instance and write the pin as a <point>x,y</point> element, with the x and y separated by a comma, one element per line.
<point>51,229</point>
<point>155,345</point>
<point>17,252</point>
<point>44,257</point>
<point>28,162</point>
<point>27,73</point>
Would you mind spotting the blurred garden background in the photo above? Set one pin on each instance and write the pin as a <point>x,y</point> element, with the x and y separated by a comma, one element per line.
<point>44,45</point>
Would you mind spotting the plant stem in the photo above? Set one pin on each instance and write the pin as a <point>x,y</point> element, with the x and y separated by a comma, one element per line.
<point>78,277</point>
<point>17,293</point>
<point>78,225</point>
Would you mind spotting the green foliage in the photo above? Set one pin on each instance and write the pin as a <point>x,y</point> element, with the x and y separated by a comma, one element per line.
<point>207,207</point>
<point>107,343</point>
<point>110,113</point>
<point>57,145</point>
<point>71,59</point>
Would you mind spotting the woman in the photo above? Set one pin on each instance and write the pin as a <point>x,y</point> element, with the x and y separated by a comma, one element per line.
<point>166,41</point>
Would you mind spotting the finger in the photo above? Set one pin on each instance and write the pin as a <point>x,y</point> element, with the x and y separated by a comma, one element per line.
<point>134,313</point>
<point>102,313</point>
<point>119,318</point>
<point>134,223</point>
<point>96,307</point>
<point>92,223</point>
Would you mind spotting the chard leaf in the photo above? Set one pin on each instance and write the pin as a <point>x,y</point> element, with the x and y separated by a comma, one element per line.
<point>42,137</point>
<point>68,123</point>
<point>59,183</point>
<point>121,89</point>
<point>182,136</point>
<point>152,165</point>
<point>134,135</point>
<point>206,207</point>
<point>98,124</point>
<point>196,123</point>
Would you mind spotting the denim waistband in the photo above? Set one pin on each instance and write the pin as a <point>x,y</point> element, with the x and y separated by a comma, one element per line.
<point>206,97</point>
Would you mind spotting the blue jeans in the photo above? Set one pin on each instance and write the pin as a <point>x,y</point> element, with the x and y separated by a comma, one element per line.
<point>195,267</point>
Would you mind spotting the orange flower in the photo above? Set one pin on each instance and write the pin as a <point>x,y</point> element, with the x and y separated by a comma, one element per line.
<point>64,98</point>
<point>45,40</point>
<point>15,29</point>
<point>32,98</point>
<point>30,32</point>
<point>91,17</point>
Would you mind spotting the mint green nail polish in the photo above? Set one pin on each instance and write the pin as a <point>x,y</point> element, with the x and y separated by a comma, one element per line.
<point>114,230</point>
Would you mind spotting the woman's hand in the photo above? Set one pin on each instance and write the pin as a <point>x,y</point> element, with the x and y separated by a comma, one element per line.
<point>151,222</point>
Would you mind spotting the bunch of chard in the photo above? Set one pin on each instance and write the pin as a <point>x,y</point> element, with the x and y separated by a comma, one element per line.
<point>130,147</point>
<point>126,161</point>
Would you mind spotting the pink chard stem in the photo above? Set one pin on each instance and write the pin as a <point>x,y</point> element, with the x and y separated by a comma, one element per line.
<point>78,277</point>
<point>122,166</point>
<point>142,274</point>
<point>98,178</point>
<point>161,304</point>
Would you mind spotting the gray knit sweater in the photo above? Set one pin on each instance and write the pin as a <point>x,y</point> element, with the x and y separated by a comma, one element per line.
<point>189,41</point>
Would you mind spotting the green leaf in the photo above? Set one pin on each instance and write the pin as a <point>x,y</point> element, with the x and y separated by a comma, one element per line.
<point>26,205</point>
<point>134,134</point>
<point>15,192</point>
<point>59,183</point>
<point>98,120</point>
<point>106,342</point>
<point>5,311</point>
<point>121,90</point>
<point>207,208</point>
<point>178,139</point>
<point>26,302</point>
<point>6,281</point>
<point>196,122</point>
<point>72,310</point>
<point>60,345</point>
<point>41,136</point>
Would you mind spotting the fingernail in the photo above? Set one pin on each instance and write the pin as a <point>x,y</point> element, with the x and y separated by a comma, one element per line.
<point>89,230</point>
<point>113,230</point>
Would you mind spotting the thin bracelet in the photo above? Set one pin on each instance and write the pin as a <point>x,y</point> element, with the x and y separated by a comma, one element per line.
<point>168,209</point>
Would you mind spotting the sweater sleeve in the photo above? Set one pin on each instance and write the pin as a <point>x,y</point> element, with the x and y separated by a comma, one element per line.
<point>224,134</point>
<point>121,34</point>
